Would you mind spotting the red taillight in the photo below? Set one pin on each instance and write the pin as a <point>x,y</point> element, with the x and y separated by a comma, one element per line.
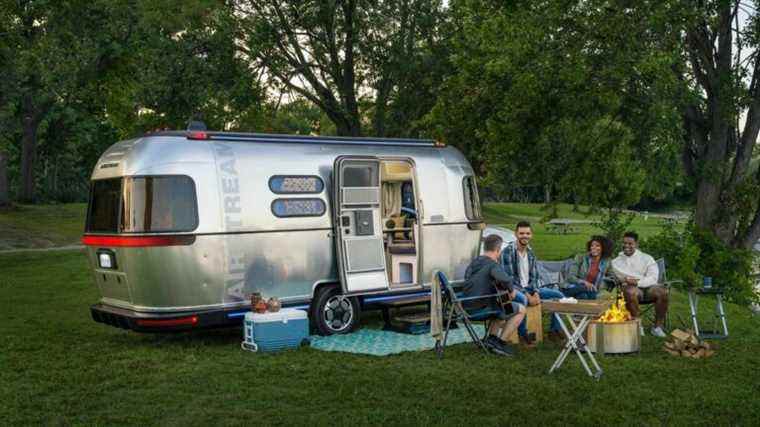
<point>182,321</point>
<point>197,134</point>
<point>137,241</point>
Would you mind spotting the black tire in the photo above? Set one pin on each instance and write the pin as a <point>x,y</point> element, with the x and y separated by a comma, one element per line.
<point>333,313</point>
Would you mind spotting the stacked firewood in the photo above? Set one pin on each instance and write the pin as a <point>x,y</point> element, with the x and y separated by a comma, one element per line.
<point>687,344</point>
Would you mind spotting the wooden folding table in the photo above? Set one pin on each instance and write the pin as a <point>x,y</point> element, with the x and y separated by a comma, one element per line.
<point>578,316</point>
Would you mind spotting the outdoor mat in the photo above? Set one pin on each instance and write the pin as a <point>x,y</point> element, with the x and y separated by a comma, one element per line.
<point>375,342</point>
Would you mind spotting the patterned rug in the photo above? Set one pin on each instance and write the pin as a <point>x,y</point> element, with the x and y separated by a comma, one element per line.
<point>376,342</point>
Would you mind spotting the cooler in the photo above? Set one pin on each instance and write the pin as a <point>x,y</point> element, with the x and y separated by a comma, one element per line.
<point>284,329</point>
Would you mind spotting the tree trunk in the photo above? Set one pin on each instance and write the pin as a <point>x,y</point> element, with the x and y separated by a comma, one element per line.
<point>381,109</point>
<point>4,197</point>
<point>547,193</point>
<point>28,157</point>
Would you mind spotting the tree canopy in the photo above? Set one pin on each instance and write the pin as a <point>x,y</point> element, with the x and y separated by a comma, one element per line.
<point>595,101</point>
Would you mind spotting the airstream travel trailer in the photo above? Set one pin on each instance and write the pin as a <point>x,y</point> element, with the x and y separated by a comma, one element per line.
<point>183,226</point>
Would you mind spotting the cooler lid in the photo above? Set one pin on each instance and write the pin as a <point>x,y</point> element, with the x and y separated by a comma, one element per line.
<point>284,315</point>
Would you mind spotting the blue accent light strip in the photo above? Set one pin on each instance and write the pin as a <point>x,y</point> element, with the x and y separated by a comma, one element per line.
<point>395,297</point>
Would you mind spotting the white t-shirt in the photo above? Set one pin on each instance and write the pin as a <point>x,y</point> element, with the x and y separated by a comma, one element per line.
<point>524,267</point>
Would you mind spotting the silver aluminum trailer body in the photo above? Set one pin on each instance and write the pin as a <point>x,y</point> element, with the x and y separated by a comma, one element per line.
<point>239,245</point>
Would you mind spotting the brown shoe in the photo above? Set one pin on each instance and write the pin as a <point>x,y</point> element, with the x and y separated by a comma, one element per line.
<point>556,337</point>
<point>529,341</point>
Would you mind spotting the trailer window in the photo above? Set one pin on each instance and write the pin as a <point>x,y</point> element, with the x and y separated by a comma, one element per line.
<point>103,215</point>
<point>284,208</point>
<point>296,184</point>
<point>471,199</point>
<point>159,203</point>
<point>360,175</point>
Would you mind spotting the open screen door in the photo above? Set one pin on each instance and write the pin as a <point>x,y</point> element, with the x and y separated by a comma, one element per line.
<point>359,233</point>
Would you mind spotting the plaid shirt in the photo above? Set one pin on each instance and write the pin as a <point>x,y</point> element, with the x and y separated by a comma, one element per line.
<point>511,264</point>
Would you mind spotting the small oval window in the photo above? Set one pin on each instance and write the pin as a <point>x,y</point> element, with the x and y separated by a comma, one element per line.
<point>284,208</point>
<point>296,184</point>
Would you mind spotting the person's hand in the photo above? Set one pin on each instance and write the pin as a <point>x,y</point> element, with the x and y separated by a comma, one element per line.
<point>631,281</point>
<point>589,286</point>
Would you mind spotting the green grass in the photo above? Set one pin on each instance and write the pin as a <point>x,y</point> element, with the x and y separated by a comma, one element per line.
<point>57,366</point>
<point>41,226</point>
<point>552,246</point>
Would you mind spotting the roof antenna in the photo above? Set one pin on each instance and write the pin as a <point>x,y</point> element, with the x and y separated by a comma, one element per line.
<point>196,123</point>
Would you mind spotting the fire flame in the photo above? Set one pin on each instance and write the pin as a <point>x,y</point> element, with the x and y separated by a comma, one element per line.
<point>616,313</point>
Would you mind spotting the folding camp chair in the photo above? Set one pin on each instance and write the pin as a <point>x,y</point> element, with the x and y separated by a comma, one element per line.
<point>454,312</point>
<point>553,273</point>
<point>662,280</point>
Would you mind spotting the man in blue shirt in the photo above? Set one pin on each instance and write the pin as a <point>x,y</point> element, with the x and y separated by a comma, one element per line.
<point>519,262</point>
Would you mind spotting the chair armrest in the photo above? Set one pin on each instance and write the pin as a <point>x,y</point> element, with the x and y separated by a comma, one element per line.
<point>669,283</point>
<point>500,294</point>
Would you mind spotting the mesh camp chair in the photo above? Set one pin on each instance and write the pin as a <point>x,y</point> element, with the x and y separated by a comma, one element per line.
<point>662,280</point>
<point>454,313</point>
<point>553,273</point>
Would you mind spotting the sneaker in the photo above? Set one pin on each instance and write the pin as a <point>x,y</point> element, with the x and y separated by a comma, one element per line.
<point>497,346</point>
<point>641,331</point>
<point>658,332</point>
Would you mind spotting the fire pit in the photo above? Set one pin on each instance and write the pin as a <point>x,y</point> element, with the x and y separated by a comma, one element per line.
<point>614,332</point>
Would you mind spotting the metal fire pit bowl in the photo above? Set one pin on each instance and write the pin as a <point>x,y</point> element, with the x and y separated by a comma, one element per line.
<point>614,338</point>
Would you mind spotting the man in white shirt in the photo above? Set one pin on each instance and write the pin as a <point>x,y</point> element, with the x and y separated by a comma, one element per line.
<point>638,273</point>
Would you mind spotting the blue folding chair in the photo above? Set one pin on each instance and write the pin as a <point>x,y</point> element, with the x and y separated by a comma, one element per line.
<point>454,312</point>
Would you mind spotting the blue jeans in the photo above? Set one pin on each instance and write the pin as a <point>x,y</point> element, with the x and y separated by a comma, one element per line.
<point>543,293</point>
<point>579,292</point>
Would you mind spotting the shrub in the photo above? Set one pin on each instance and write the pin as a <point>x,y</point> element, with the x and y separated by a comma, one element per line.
<point>692,254</point>
<point>614,223</point>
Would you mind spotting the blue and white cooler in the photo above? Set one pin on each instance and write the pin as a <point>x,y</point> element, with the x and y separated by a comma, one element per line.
<point>287,328</point>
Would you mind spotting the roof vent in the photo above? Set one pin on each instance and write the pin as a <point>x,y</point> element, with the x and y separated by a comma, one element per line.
<point>194,125</point>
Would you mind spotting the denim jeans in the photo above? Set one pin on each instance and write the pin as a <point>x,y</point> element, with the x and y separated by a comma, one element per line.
<point>579,292</point>
<point>543,293</point>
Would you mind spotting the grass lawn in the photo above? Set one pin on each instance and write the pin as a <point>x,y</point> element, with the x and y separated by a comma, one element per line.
<point>41,226</point>
<point>552,246</point>
<point>57,366</point>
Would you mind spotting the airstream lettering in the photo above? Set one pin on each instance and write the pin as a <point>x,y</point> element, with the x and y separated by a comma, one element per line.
<point>183,226</point>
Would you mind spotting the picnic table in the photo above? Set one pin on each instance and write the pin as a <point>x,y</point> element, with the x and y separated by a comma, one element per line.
<point>578,316</point>
<point>564,225</point>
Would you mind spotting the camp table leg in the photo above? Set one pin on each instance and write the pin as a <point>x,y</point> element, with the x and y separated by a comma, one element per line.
<point>693,303</point>
<point>722,314</point>
<point>575,342</point>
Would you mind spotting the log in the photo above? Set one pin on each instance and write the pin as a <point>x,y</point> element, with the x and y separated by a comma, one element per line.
<point>680,335</point>
<point>673,352</point>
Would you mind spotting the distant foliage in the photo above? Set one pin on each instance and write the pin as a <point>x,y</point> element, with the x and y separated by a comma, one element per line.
<point>614,223</point>
<point>692,254</point>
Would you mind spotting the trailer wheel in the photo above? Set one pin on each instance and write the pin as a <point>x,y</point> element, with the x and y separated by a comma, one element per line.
<point>333,313</point>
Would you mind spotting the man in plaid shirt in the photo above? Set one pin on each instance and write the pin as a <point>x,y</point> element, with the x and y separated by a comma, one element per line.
<point>519,262</point>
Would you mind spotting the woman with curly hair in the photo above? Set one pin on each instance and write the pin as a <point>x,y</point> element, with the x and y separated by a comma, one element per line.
<point>587,274</point>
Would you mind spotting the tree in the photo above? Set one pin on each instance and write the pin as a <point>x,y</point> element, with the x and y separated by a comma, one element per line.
<point>57,49</point>
<point>558,95</point>
<point>722,78</point>
<point>329,52</point>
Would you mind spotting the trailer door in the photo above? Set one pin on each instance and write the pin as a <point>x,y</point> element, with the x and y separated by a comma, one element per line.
<point>358,231</point>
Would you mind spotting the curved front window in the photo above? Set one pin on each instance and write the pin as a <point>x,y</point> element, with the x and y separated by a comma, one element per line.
<point>143,204</point>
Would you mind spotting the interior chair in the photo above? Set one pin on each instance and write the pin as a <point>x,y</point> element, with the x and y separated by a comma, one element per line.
<point>402,250</point>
